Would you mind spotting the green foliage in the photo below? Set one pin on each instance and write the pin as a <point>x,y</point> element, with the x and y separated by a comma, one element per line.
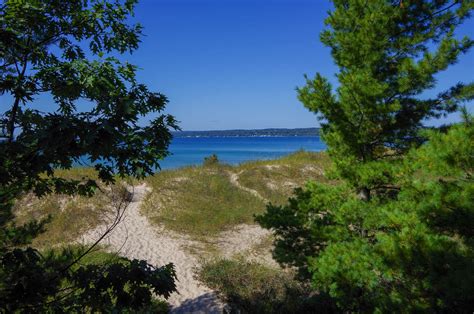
<point>102,281</point>
<point>254,288</point>
<point>211,161</point>
<point>409,252</point>
<point>395,234</point>
<point>297,225</point>
<point>388,53</point>
<point>68,51</point>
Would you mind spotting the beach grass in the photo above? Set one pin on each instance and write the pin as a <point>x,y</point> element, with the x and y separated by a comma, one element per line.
<point>200,201</point>
<point>250,287</point>
<point>70,216</point>
<point>203,200</point>
<point>275,180</point>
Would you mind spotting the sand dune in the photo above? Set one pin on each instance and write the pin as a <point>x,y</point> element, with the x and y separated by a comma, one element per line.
<point>135,237</point>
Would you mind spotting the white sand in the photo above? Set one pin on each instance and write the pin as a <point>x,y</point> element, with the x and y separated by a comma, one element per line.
<point>243,241</point>
<point>135,237</point>
<point>234,179</point>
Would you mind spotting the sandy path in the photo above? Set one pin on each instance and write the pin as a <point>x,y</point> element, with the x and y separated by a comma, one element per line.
<point>234,179</point>
<point>134,237</point>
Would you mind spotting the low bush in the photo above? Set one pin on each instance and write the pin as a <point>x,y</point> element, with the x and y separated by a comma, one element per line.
<point>100,258</point>
<point>211,160</point>
<point>249,287</point>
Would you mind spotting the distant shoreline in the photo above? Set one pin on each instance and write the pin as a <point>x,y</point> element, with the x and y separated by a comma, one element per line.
<point>274,132</point>
<point>234,136</point>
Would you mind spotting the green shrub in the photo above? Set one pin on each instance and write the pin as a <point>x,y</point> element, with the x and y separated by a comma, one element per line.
<point>100,258</point>
<point>412,251</point>
<point>211,160</point>
<point>250,287</point>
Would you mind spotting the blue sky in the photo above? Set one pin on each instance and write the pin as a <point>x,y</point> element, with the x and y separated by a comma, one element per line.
<point>228,64</point>
<point>232,64</point>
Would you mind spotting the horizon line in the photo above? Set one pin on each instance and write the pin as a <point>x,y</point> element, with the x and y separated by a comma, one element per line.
<point>263,129</point>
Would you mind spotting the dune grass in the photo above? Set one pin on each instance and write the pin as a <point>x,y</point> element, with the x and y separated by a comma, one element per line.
<point>200,201</point>
<point>203,201</point>
<point>71,215</point>
<point>249,287</point>
<point>275,180</point>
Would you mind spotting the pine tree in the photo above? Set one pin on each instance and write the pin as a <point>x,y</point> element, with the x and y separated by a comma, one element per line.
<point>388,53</point>
<point>395,234</point>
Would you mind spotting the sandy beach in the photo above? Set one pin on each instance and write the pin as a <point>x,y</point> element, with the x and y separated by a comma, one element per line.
<point>135,237</point>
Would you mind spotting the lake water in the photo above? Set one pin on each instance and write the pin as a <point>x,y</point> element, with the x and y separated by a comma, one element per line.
<point>235,150</point>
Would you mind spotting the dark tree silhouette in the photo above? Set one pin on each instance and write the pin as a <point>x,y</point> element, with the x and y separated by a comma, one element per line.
<point>62,54</point>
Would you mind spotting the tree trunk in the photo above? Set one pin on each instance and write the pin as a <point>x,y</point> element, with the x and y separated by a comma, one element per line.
<point>11,121</point>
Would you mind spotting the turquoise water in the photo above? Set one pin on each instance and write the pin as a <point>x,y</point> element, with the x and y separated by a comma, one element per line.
<point>235,150</point>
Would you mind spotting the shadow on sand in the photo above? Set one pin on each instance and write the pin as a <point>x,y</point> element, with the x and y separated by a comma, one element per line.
<point>206,303</point>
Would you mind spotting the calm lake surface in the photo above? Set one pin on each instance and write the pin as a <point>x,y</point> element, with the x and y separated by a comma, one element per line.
<point>235,150</point>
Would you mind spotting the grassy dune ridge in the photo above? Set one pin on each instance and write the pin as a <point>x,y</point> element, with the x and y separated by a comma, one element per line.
<point>71,215</point>
<point>197,200</point>
<point>214,206</point>
<point>206,200</point>
<point>275,180</point>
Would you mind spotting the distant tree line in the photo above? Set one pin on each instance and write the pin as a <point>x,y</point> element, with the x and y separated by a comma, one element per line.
<point>250,133</point>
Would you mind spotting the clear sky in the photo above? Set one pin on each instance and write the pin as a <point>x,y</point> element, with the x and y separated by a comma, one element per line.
<point>228,64</point>
<point>232,64</point>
